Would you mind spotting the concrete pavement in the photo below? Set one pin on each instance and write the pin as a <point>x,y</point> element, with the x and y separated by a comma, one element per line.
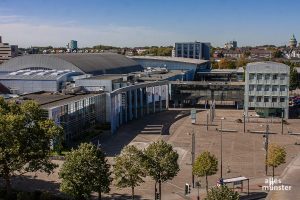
<point>289,177</point>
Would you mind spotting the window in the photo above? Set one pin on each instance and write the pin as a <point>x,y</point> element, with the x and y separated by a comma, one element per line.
<point>267,77</point>
<point>282,88</point>
<point>282,99</point>
<point>267,87</point>
<point>274,88</point>
<point>251,76</point>
<point>251,98</point>
<point>258,99</point>
<point>282,76</point>
<point>275,76</point>
<point>266,99</point>
<point>259,76</point>
<point>274,99</point>
<point>259,88</point>
<point>251,87</point>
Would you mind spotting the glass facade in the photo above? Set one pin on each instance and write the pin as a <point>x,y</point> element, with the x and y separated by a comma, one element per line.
<point>77,116</point>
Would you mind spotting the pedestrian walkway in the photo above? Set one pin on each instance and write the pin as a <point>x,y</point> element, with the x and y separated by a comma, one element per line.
<point>289,177</point>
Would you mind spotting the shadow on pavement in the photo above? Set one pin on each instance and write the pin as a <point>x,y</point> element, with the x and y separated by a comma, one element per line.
<point>254,196</point>
<point>113,144</point>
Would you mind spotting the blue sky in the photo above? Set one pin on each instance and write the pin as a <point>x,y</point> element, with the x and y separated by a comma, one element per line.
<point>148,22</point>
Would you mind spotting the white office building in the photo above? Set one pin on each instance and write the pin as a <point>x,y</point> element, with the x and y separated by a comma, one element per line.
<point>267,89</point>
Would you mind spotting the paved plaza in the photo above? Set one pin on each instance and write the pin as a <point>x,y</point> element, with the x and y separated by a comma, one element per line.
<point>243,153</point>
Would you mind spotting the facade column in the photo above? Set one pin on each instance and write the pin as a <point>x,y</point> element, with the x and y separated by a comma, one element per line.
<point>160,101</point>
<point>121,108</point>
<point>130,105</point>
<point>141,102</point>
<point>135,103</point>
<point>167,97</point>
<point>153,98</point>
<point>112,114</point>
<point>147,103</point>
<point>126,107</point>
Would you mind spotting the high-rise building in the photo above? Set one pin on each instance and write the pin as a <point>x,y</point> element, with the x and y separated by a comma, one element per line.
<point>230,45</point>
<point>267,89</point>
<point>293,42</point>
<point>196,50</point>
<point>7,51</point>
<point>73,45</point>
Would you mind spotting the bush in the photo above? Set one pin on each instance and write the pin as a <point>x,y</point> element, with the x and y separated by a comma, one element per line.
<point>239,121</point>
<point>24,196</point>
<point>46,196</point>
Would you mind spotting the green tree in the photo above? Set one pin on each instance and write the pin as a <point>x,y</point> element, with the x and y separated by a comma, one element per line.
<point>160,161</point>
<point>276,156</point>
<point>293,78</point>
<point>241,62</point>
<point>206,165</point>
<point>277,54</point>
<point>226,64</point>
<point>24,140</point>
<point>128,168</point>
<point>85,170</point>
<point>222,193</point>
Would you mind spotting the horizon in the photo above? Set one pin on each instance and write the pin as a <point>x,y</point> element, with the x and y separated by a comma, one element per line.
<point>131,23</point>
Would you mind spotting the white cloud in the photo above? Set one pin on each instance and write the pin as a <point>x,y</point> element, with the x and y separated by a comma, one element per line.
<point>16,30</point>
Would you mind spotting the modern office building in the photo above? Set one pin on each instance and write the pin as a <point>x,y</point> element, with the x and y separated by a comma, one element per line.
<point>75,113</point>
<point>73,45</point>
<point>231,45</point>
<point>7,51</point>
<point>196,50</point>
<point>267,89</point>
<point>188,66</point>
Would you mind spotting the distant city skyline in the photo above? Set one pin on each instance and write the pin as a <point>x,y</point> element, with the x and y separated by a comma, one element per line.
<point>131,23</point>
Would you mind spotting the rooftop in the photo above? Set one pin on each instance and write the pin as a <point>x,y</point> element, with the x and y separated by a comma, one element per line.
<point>49,100</point>
<point>171,59</point>
<point>89,63</point>
<point>157,77</point>
<point>37,74</point>
<point>106,77</point>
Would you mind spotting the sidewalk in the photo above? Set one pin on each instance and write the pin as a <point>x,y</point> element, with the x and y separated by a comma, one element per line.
<point>289,177</point>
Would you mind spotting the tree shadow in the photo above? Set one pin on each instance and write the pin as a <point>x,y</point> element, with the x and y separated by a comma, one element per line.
<point>254,195</point>
<point>114,143</point>
<point>117,196</point>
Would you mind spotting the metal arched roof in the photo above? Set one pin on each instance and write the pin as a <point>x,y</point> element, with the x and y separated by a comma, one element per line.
<point>95,64</point>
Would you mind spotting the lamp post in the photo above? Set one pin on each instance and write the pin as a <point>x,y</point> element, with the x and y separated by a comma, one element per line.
<point>222,147</point>
<point>244,115</point>
<point>193,157</point>
<point>198,186</point>
<point>266,147</point>
<point>282,115</point>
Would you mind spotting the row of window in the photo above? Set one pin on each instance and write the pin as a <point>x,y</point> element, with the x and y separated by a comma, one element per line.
<point>266,99</point>
<point>267,76</point>
<point>267,88</point>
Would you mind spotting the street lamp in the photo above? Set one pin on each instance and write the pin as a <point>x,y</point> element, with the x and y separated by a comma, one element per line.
<point>222,147</point>
<point>244,115</point>
<point>198,186</point>
<point>266,146</point>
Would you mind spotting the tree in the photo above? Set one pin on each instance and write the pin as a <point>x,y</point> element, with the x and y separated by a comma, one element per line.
<point>24,139</point>
<point>84,171</point>
<point>241,62</point>
<point>293,78</point>
<point>160,162</point>
<point>128,168</point>
<point>206,165</point>
<point>276,156</point>
<point>222,193</point>
<point>226,64</point>
<point>277,54</point>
